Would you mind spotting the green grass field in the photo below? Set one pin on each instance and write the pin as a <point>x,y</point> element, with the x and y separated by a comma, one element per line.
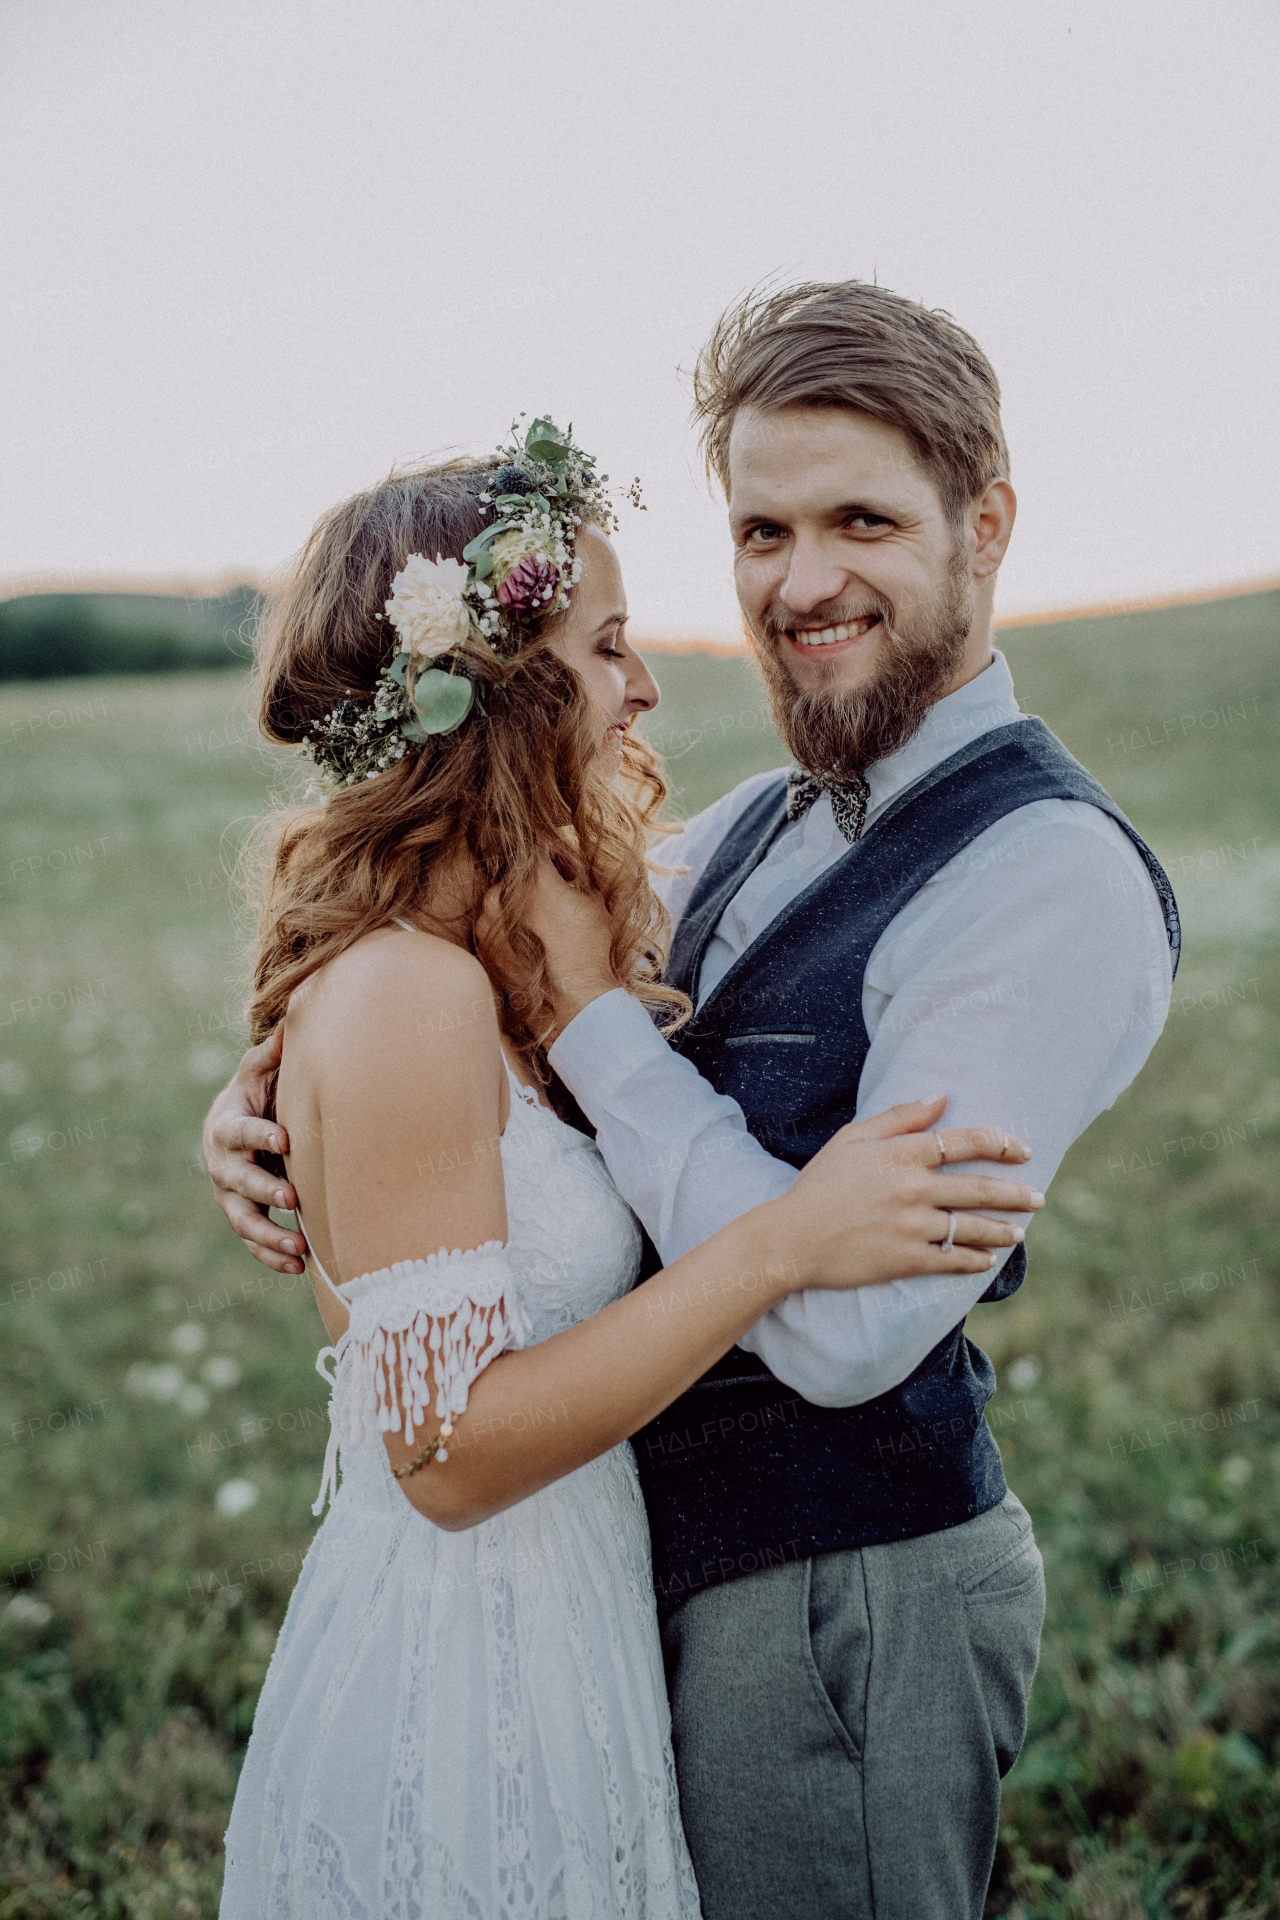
<point>163,1427</point>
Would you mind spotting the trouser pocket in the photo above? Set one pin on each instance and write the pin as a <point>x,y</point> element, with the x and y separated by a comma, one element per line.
<point>837,1641</point>
<point>1004,1601</point>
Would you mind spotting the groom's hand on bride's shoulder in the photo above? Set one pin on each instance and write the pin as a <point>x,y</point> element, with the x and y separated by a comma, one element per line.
<point>235,1132</point>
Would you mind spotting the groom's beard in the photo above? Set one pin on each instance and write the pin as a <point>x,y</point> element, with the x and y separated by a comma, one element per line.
<point>842,733</point>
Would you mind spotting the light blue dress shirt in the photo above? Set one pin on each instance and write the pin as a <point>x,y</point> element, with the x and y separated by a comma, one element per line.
<point>1028,980</point>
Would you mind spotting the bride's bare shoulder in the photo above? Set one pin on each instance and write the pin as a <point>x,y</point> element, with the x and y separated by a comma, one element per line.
<point>392,1056</point>
<point>396,983</point>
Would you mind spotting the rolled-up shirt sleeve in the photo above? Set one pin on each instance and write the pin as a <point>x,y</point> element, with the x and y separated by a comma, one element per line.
<point>1028,979</point>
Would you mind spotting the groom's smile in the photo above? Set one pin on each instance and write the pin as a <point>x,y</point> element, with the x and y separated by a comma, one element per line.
<point>834,638</point>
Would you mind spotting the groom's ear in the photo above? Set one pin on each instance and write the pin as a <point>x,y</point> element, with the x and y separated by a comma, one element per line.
<point>990,519</point>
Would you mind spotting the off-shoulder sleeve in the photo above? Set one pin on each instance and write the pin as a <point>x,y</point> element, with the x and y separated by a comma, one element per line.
<point>445,1317</point>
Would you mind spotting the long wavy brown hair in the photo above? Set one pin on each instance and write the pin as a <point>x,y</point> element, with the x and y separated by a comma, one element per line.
<point>428,838</point>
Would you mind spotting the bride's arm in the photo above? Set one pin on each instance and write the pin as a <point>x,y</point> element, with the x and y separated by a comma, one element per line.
<point>403,1059</point>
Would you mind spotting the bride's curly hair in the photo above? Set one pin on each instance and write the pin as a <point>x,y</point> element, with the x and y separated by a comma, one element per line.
<point>474,805</point>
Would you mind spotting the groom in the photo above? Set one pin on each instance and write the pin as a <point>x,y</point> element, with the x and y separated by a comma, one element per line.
<point>936,897</point>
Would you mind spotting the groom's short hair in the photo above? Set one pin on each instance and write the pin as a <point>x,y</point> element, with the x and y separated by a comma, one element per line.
<point>860,347</point>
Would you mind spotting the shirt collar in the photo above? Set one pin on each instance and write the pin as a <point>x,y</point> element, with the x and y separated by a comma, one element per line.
<point>985,702</point>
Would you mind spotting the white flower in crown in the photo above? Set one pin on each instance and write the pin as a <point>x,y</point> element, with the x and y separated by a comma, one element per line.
<point>427,608</point>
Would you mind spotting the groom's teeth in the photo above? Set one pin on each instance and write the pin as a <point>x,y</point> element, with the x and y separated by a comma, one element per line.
<point>826,636</point>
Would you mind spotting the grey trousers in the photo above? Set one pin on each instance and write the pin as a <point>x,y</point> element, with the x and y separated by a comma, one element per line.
<point>842,1724</point>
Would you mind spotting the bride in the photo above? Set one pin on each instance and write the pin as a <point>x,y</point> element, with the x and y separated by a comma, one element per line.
<point>465,1712</point>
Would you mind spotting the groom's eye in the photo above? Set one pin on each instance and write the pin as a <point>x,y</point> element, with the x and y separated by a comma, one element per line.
<point>766,531</point>
<point>869,522</point>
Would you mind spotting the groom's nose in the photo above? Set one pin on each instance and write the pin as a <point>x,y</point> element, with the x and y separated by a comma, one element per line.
<point>815,576</point>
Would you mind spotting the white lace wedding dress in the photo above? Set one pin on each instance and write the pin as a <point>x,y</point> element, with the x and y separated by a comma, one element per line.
<point>470,1726</point>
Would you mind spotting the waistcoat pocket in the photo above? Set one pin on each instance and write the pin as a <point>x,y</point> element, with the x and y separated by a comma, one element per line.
<point>769,1039</point>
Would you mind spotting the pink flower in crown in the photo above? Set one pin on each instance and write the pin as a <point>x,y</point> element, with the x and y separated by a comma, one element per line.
<point>530,586</point>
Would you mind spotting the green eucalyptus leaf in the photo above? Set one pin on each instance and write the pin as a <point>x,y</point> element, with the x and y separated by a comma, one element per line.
<point>483,564</point>
<point>398,668</point>
<point>443,701</point>
<point>544,441</point>
<point>481,541</point>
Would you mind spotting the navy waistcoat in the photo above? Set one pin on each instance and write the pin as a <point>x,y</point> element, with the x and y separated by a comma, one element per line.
<point>741,1472</point>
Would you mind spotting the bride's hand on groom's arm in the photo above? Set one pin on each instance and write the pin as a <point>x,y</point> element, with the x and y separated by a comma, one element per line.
<point>869,1207</point>
<point>875,1203</point>
<point>235,1132</point>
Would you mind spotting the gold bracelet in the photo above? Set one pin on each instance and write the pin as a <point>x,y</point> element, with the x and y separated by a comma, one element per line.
<point>436,1449</point>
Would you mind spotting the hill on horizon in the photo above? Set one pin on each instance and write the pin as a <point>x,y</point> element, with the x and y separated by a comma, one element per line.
<point>49,636</point>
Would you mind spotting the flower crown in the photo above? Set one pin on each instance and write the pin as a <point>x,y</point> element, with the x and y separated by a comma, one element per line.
<point>520,569</point>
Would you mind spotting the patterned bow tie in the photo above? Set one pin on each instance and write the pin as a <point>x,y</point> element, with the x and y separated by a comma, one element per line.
<point>848,799</point>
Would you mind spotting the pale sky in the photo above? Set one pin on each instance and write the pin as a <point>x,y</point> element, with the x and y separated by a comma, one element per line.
<point>256,252</point>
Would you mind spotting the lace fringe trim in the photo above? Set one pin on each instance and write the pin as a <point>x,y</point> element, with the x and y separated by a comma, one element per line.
<point>450,1314</point>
